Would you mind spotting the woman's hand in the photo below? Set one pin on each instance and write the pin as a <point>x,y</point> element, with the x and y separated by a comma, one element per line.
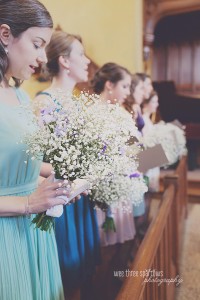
<point>85,193</point>
<point>46,194</point>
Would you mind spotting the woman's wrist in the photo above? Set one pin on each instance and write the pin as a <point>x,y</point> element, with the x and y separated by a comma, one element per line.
<point>27,207</point>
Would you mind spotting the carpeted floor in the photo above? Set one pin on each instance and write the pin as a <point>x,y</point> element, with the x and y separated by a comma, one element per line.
<point>190,259</point>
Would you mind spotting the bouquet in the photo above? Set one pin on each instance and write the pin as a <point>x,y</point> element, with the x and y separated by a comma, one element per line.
<point>121,183</point>
<point>81,138</point>
<point>118,188</point>
<point>171,137</point>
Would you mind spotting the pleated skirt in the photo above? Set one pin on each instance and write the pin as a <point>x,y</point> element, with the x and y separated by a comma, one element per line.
<point>29,267</point>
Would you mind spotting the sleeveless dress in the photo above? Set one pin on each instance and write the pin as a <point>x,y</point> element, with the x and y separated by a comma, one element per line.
<point>29,267</point>
<point>77,238</point>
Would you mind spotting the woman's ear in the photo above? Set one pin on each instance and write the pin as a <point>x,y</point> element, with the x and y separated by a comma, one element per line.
<point>63,61</point>
<point>5,34</point>
<point>109,85</point>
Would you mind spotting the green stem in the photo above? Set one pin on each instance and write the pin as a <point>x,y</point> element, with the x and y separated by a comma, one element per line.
<point>109,224</point>
<point>43,222</point>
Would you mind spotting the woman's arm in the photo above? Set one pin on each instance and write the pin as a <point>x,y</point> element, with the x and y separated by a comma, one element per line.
<point>39,201</point>
<point>46,170</point>
<point>12,206</point>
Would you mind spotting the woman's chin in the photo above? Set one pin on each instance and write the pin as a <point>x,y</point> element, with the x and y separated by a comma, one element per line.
<point>25,77</point>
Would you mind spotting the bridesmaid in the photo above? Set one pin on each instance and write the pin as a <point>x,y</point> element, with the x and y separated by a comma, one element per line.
<point>76,230</point>
<point>149,107</point>
<point>133,105</point>
<point>29,267</point>
<point>112,82</point>
<point>147,84</point>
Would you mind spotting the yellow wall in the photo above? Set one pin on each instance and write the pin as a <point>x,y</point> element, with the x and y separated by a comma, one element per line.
<point>111,30</point>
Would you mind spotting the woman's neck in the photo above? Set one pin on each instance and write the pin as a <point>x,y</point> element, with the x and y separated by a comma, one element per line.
<point>66,84</point>
<point>105,96</point>
<point>147,114</point>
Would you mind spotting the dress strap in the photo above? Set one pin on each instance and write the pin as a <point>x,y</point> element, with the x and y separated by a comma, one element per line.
<point>44,93</point>
<point>22,96</point>
<point>48,94</point>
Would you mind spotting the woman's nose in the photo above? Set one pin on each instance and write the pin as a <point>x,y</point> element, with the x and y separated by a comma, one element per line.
<point>42,58</point>
<point>87,60</point>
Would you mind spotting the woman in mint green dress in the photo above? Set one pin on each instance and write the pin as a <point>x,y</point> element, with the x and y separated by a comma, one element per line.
<point>29,268</point>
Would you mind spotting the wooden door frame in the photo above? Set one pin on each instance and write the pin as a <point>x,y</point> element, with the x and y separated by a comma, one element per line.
<point>154,10</point>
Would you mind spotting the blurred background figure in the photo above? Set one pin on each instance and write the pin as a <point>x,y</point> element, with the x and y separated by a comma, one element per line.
<point>112,83</point>
<point>149,107</point>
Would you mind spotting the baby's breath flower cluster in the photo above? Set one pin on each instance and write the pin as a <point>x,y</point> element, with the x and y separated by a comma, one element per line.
<point>171,137</point>
<point>71,142</point>
<point>83,137</point>
<point>124,184</point>
<point>119,185</point>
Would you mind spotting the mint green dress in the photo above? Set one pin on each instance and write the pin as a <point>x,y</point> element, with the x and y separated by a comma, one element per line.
<point>29,267</point>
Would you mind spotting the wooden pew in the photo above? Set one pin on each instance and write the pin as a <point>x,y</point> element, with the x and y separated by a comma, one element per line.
<point>160,248</point>
<point>179,180</point>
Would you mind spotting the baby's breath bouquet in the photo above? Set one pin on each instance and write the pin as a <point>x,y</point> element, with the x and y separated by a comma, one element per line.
<point>124,184</point>
<point>171,137</point>
<point>81,137</point>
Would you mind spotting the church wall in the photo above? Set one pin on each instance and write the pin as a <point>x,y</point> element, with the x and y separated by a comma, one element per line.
<point>111,30</point>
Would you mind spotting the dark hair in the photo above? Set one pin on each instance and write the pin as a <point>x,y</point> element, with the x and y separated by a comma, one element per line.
<point>108,72</point>
<point>20,15</point>
<point>60,44</point>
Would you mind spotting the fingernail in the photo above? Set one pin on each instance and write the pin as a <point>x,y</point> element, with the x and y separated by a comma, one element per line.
<point>64,192</point>
<point>59,184</point>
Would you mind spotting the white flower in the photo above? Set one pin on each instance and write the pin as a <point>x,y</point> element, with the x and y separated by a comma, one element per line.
<point>171,137</point>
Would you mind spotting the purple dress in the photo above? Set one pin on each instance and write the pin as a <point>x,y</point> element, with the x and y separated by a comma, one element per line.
<point>139,122</point>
